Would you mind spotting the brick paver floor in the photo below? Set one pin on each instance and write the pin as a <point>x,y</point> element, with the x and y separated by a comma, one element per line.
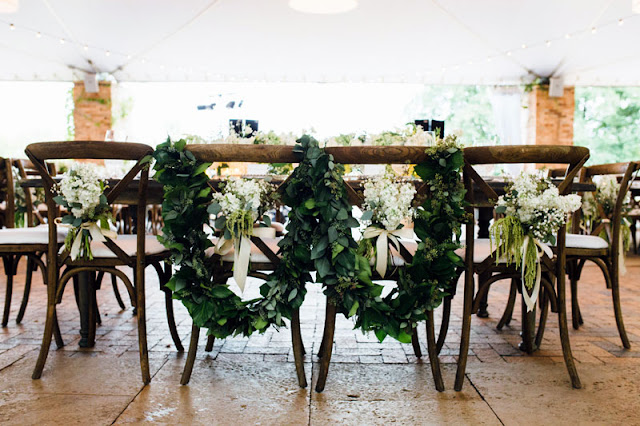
<point>252,380</point>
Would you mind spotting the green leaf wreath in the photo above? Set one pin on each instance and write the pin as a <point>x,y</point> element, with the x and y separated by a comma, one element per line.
<point>318,238</point>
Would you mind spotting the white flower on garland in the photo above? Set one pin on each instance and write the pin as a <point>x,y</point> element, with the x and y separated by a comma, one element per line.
<point>237,207</point>
<point>387,204</point>
<point>534,211</point>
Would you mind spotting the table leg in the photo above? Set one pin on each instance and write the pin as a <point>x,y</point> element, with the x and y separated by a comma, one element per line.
<point>86,295</point>
<point>485,214</point>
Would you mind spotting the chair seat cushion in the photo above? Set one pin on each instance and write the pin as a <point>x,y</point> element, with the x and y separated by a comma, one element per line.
<point>34,235</point>
<point>586,242</point>
<point>257,255</point>
<point>128,244</point>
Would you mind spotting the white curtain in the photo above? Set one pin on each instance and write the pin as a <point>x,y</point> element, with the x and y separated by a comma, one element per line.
<point>506,102</point>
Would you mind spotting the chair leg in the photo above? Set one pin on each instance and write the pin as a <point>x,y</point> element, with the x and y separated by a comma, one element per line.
<point>484,302</point>
<point>7,297</point>
<point>444,325</point>
<point>168,302</point>
<point>615,293</point>
<point>327,346</point>
<point>56,331</point>
<point>528,326</point>
<point>564,333</point>
<point>210,341</point>
<point>116,292</point>
<point>27,289</point>
<point>142,324</point>
<point>466,330</point>
<point>46,340</point>
<point>434,361</point>
<point>508,311</point>
<point>544,313</point>
<point>415,342</point>
<point>298,348</point>
<point>191,356</point>
<point>323,345</point>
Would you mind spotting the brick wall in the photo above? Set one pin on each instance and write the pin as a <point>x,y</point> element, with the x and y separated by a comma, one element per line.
<point>550,119</point>
<point>92,112</point>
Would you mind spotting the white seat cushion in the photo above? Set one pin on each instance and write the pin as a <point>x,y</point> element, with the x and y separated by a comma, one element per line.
<point>34,235</point>
<point>256,255</point>
<point>128,244</point>
<point>586,242</point>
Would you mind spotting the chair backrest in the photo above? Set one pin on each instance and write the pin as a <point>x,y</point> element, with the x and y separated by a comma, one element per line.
<point>33,215</point>
<point>40,152</point>
<point>342,155</point>
<point>7,193</point>
<point>625,174</point>
<point>573,156</point>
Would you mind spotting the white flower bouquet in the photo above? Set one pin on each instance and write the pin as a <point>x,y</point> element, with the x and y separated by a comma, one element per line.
<point>606,196</point>
<point>387,206</point>
<point>534,211</point>
<point>81,192</point>
<point>237,207</point>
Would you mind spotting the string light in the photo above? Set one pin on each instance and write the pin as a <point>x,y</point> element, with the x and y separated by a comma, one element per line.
<point>12,27</point>
<point>38,35</point>
<point>61,41</point>
<point>620,22</point>
<point>85,48</point>
<point>107,53</point>
<point>548,43</point>
<point>594,30</point>
<point>567,36</point>
<point>524,46</point>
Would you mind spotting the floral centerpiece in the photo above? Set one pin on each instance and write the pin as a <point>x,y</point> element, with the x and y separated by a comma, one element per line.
<point>81,192</point>
<point>388,207</point>
<point>534,211</point>
<point>237,207</point>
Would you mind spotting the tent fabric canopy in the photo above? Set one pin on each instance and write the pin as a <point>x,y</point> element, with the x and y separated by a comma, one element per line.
<point>586,42</point>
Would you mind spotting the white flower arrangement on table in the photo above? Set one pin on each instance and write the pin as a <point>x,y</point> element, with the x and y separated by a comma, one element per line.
<point>237,207</point>
<point>388,204</point>
<point>81,192</point>
<point>534,211</point>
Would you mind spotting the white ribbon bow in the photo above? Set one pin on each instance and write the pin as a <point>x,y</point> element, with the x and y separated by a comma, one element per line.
<point>242,252</point>
<point>530,300</point>
<point>97,234</point>
<point>382,244</point>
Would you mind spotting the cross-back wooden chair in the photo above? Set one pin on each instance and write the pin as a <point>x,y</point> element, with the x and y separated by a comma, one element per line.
<point>391,155</point>
<point>606,253</point>
<point>135,251</point>
<point>479,259</point>
<point>29,242</point>
<point>263,256</point>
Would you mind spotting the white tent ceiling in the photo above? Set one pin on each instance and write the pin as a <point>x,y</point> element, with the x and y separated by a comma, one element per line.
<point>436,41</point>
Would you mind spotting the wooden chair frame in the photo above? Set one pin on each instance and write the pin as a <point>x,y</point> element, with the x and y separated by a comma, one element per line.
<point>606,259</point>
<point>553,269</point>
<point>343,155</point>
<point>38,153</point>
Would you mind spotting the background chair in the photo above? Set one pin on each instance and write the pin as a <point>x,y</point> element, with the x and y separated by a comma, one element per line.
<point>480,260</point>
<point>135,251</point>
<point>606,253</point>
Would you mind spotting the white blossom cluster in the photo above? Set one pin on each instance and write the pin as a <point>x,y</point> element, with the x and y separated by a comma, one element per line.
<point>81,186</point>
<point>536,202</point>
<point>242,194</point>
<point>607,190</point>
<point>390,201</point>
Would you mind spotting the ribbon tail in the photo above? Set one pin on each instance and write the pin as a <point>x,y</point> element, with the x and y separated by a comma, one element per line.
<point>382,247</point>
<point>77,243</point>
<point>96,232</point>
<point>241,256</point>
